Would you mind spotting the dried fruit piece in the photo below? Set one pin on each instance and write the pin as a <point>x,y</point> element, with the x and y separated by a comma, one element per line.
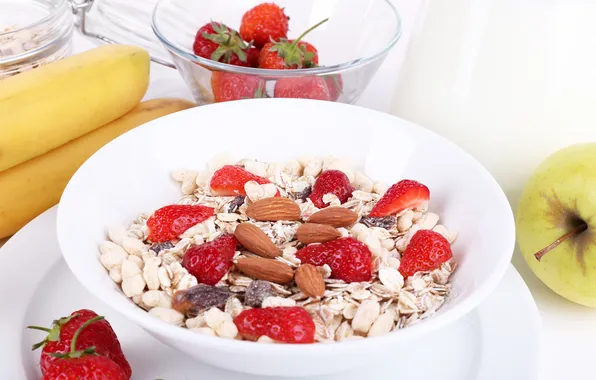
<point>303,195</point>
<point>256,241</point>
<point>386,222</point>
<point>310,280</point>
<point>285,324</point>
<point>170,221</point>
<point>192,301</point>
<point>331,182</point>
<point>334,216</point>
<point>256,292</point>
<point>309,233</point>
<point>210,261</point>
<point>230,180</point>
<point>405,194</point>
<point>236,203</point>
<point>349,259</point>
<point>427,251</point>
<point>158,247</point>
<point>274,209</point>
<point>266,269</point>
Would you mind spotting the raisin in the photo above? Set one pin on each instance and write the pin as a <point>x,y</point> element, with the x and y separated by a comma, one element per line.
<point>192,301</point>
<point>235,204</point>
<point>256,292</point>
<point>386,222</point>
<point>158,247</point>
<point>303,194</point>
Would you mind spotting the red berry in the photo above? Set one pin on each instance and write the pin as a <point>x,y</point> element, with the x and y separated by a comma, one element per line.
<point>349,259</point>
<point>230,86</point>
<point>264,22</point>
<point>253,56</point>
<point>217,42</point>
<point>427,251</point>
<point>210,261</point>
<point>302,88</point>
<point>283,55</point>
<point>284,324</point>
<point>331,182</point>
<point>86,367</point>
<point>230,180</point>
<point>336,86</point>
<point>170,221</point>
<point>403,195</point>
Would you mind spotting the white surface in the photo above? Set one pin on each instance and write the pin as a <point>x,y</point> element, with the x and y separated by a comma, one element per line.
<point>490,343</point>
<point>464,194</point>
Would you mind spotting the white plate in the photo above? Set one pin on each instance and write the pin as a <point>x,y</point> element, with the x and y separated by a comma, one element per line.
<point>499,340</point>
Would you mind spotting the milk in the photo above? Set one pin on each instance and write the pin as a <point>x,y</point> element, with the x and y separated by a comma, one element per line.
<point>510,81</point>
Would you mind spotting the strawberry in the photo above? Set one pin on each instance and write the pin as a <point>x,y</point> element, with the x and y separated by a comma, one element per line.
<point>335,85</point>
<point>99,334</point>
<point>170,221</point>
<point>230,180</point>
<point>253,56</point>
<point>331,182</point>
<point>210,261</point>
<point>349,259</point>
<point>427,251</point>
<point>84,363</point>
<point>230,86</point>
<point>302,88</point>
<point>264,23</point>
<point>285,324</point>
<point>403,195</point>
<point>217,42</point>
<point>289,54</point>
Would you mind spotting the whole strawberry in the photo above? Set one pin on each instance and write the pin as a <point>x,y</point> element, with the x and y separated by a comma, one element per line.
<point>230,86</point>
<point>217,42</point>
<point>170,221</point>
<point>98,334</point>
<point>264,23</point>
<point>403,195</point>
<point>84,363</point>
<point>210,261</point>
<point>349,259</point>
<point>302,88</point>
<point>229,180</point>
<point>427,251</point>
<point>284,324</point>
<point>286,54</point>
<point>331,182</point>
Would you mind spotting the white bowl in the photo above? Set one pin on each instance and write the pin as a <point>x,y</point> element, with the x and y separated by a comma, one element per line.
<point>132,175</point>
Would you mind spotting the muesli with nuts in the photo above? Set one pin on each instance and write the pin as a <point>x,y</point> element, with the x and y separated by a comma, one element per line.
<point>305,251</point>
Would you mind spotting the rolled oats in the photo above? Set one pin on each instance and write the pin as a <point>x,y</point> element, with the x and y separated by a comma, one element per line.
<point>157,298</point>
<point>365,316</point>
<point>382,325</point>
<point>116,233</point>
<point>278,301</point>
<point>133,286</point>
<point>129,269</point>
<point>112,255</point>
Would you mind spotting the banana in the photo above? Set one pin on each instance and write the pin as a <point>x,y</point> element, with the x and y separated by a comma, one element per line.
<point>45,108</point>
<point>32,187</point>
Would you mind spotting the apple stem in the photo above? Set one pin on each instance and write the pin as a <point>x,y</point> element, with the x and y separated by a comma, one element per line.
<point>579,228</point>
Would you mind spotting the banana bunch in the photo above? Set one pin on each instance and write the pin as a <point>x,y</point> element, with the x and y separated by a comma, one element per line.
<point>53,118</point>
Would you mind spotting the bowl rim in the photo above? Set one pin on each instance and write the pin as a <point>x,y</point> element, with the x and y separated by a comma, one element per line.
<point>59,8</point>
<point>220,66</point>
<point>178,334</point>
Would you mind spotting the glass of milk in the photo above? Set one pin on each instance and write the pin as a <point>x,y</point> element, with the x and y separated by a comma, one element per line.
<point>510,81</point>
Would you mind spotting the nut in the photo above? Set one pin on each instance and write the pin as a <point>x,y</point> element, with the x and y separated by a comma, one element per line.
<point>256,241</point>
<point>316,233</point>
<point>266,269</point>
<point>310,280</point>
<point>274,209</point>
<point>335,217</point>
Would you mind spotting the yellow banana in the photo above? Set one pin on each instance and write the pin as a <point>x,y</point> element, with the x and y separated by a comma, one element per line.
<point>32,187</point>
<point>45,108</point>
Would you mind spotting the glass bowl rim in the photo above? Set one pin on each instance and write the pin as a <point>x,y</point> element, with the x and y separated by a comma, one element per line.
<point>60,7</point>
<point>220,66</point>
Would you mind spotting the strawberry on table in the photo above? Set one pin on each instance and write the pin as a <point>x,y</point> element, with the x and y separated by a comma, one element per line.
<point>230,86</point>
<point>217,42</point>
<point>427,251</point>
<point>230,180</point>
<point>405,194</point>
<point>331,182</point>
<point>210,261</point>
<point>263,23</point>
<point>302,88</point>
<point>170,221</point>
<point>285,324</point>
<point>349,259</point>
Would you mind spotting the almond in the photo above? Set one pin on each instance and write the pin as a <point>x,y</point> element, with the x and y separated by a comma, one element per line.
<point>316,233</point>
<point>266,269</point>
<point>335,217</point>
<point>274,209</point>
<point>256,241</point>
<point>310,281</point>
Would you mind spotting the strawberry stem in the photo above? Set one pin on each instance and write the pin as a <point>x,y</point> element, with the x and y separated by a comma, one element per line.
<point>73,344</point>
<point>40,328</point>
<point>295,43</point>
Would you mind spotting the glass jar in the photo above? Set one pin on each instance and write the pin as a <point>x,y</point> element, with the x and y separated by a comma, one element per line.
<point>33,33</point>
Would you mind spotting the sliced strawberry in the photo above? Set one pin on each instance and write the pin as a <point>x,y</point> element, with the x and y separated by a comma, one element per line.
<point>285,324</point>
<point>331,182</point>
<point>427,251</point>
<point>230,180</point>
<point>210,261</point>
<point>405,194</point>
<point>170,221</point>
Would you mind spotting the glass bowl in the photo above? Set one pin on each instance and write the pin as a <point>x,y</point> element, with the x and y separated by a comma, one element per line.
<point>33,33</point>
<point>352,44</point>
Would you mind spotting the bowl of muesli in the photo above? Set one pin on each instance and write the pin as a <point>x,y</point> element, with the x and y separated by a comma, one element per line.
<point>247,234</point>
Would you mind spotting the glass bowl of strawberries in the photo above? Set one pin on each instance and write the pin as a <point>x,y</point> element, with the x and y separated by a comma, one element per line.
<point>230,50</point>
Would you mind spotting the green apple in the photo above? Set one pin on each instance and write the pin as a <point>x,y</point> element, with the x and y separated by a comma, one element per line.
<point>556,223</point>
